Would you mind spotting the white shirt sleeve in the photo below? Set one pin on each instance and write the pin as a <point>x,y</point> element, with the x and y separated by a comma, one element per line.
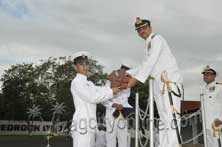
<point>91,93</point>
<point>220,95</point>
<point>108,104</point>
<point>150,60</point>
<point>125,93</point>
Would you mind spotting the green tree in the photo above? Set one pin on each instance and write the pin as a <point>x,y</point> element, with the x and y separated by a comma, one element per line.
<point>43,84</point>
<point>1,106</point>
<point>16,81</point>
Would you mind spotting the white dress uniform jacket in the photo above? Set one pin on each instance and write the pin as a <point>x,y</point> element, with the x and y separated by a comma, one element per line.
<point>213,109</point>
<point>86,95</point>
<point>158,57</point>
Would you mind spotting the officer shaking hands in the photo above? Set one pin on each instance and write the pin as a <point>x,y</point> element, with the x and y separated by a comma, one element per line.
<point>86,95</point>
<point>157,59</point>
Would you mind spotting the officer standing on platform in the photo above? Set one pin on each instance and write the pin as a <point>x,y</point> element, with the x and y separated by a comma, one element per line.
<point>157,59</point>
<point>212,104</point>
<point>86,95</point>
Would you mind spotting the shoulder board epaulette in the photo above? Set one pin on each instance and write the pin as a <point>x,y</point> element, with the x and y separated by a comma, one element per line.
<point>219,83</point>
<point>149,45</point>
<point>153,36</point>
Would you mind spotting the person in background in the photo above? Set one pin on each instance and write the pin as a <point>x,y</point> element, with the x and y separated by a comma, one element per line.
<point>212,104</point>
<point>117,111</point>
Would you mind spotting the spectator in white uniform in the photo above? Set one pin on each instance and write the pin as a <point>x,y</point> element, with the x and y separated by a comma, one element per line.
<point>117,111</point>
<point>212,104</point>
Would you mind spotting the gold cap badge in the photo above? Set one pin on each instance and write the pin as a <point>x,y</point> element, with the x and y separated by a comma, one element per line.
<point>138,20</point>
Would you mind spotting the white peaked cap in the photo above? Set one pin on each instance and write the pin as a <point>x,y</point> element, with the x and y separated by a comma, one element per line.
<point>80,54</point>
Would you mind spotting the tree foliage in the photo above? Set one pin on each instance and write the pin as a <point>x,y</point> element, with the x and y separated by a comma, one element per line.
<point>41,84</point>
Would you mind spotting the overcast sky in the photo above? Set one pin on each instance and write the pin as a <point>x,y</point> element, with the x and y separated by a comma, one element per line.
<point>31,30</point>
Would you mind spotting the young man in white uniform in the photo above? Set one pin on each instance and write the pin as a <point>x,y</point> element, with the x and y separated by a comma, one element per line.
<point>158,58</point>
<point>86,95</point>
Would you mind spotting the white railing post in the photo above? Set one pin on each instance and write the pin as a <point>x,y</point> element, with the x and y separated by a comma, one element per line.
<point>151,111</point>
<point>203,119</point>
<point>137,121</point>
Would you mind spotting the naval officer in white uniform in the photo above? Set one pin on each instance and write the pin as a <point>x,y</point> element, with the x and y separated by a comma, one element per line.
<point>158,58</point>
<point>86,95</point>
<point>212,104</point>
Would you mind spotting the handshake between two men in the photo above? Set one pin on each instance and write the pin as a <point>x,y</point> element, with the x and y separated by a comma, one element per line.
<point>120,79</point>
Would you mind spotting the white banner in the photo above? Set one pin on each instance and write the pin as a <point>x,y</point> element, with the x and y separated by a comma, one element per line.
<point>34,128</point>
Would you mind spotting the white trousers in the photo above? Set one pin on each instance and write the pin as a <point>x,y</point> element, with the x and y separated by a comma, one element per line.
<point>83,140</point>
<point>167,128</point>
<point>117,129</point>
<point>211,141</point>
<point>101,139</point>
